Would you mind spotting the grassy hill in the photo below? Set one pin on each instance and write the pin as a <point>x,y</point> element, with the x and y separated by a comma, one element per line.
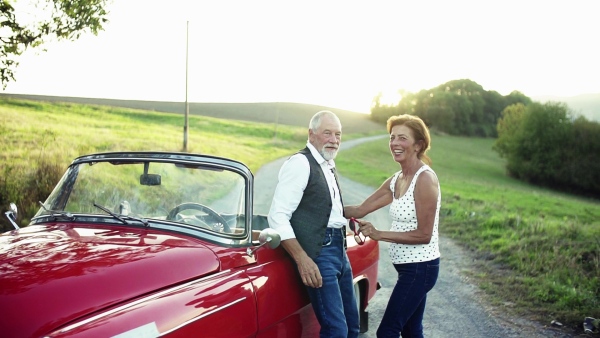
<point>285,113</point>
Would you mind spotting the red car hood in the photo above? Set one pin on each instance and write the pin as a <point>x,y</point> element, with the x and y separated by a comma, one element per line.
<point>52,275</point>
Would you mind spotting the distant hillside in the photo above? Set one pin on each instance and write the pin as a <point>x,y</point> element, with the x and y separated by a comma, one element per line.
<point>587,105</point>
<point>287,113</point>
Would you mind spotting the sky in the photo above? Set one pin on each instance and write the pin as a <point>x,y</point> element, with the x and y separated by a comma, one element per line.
<point>339,54</point>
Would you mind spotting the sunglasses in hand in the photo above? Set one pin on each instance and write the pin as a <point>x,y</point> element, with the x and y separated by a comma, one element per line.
<point>358,237</point>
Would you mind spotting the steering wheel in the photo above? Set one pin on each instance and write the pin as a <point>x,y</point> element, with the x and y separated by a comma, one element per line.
<point>218,219</point>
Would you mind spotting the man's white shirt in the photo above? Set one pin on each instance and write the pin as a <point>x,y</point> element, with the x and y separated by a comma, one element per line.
<point>293,178</point>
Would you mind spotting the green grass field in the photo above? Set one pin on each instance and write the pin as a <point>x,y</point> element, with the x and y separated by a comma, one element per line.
<point>539,249</point>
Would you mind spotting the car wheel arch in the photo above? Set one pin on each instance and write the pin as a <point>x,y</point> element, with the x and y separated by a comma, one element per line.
<point>360,292</point>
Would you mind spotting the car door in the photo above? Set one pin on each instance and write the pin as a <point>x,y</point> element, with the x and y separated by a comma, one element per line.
<point>283,306</point>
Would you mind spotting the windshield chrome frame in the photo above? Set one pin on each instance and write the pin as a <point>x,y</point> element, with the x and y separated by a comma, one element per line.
<point>175,158</point>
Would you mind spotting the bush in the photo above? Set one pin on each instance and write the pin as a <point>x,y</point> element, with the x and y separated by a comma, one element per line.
<point>544,145</point>
<point>26,186</point>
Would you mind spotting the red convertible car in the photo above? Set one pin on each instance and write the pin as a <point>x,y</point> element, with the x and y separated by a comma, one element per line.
<point>149,244</point>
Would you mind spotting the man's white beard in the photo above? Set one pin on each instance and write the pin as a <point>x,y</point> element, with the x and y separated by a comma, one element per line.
<point>328,155</point>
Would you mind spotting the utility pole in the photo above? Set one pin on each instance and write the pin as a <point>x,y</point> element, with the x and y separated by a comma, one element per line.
<point>187,105</point>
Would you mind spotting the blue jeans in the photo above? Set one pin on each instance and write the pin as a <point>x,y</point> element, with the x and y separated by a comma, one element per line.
<point>334,303</point>
<point>405,309</point>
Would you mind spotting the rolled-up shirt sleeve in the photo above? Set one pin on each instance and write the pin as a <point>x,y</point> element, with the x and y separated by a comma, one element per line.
<point>292,180</point>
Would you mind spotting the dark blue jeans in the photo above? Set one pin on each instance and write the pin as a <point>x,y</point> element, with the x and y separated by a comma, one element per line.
<point>334,303</point>
<point>405,309</point>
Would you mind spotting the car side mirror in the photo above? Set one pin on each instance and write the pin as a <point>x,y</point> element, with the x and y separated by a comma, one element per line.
<point>12,215</point>
<point>268,237</point>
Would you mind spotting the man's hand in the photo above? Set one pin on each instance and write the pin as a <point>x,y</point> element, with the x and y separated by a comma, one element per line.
<point>309,271</point>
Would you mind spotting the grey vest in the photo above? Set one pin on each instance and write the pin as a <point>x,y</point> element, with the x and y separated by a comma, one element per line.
<point>310,219</point>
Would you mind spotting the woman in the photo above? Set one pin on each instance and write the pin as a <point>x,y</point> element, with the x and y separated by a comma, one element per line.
<point>415,197</point>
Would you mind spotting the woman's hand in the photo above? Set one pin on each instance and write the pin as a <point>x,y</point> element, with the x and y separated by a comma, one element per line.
<point>368,229</point>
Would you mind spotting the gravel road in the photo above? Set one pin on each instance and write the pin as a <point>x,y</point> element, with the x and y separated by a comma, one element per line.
<point>455,306</point>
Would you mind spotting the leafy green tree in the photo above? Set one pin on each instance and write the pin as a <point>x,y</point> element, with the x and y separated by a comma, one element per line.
<point>439,114</point>
<point>510,137</point>
<point>582,168</point>
<point>543,144</point>
<point>381,112</point>
<point>547,143</point>
<point>62,20</point>
<point>467,103</point>
<point>494,103</point>
<point>407,103</point>
<point>516,97</point>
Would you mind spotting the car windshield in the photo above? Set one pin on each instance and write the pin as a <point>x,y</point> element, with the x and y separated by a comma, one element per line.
<point>193,195</point>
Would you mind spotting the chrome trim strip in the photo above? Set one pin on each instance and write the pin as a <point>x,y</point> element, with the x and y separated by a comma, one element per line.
<point>240,240</point>
<point>123,307</point>
<point>202,316</point>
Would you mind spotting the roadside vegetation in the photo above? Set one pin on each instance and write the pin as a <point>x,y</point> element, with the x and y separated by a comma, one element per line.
<point>539,250</point>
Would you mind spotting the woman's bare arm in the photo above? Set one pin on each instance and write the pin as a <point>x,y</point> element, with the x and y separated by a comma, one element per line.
<point>378,199</point>
<point>426,193</point>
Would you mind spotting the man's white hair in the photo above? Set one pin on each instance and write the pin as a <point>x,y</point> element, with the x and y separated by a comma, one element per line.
<point>315,121</point>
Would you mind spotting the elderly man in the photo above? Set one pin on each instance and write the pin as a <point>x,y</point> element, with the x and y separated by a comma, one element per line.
<point>307,211</point>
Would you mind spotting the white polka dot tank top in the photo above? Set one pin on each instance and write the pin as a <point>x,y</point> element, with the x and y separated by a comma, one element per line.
<point>404,218</point>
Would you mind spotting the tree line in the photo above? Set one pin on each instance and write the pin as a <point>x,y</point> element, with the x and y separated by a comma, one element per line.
<point>543,144</point>
<point>459,107</point>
